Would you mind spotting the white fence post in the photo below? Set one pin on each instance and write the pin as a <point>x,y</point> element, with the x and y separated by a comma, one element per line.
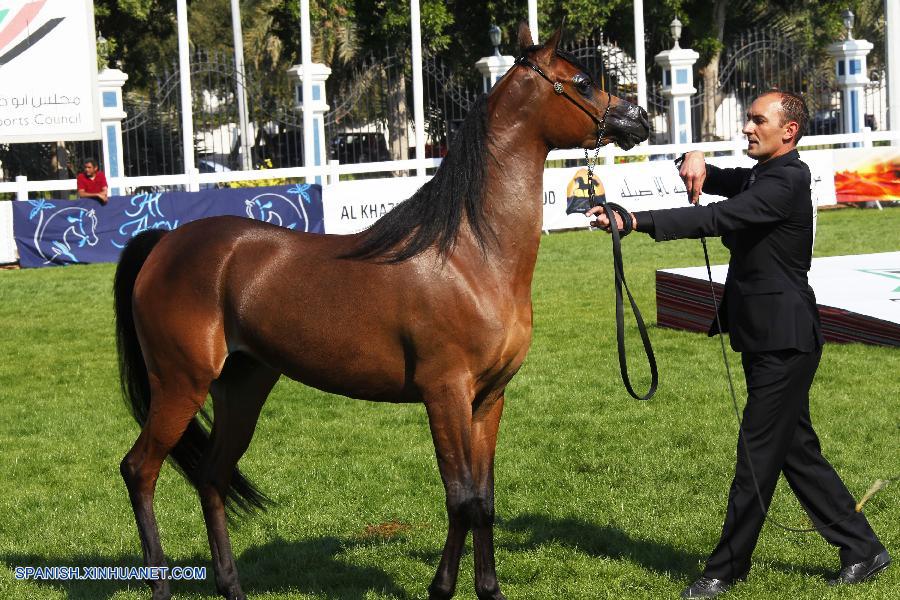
<point>867,137</point>
<point>21,187</point>
<point>192,184</point>
<point>333,176</point>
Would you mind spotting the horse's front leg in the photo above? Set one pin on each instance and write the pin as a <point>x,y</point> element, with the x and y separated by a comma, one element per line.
<point>484,442</point>
<point>449,409</point>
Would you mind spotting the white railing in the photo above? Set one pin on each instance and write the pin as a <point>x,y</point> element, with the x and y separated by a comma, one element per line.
<point>331,173</point>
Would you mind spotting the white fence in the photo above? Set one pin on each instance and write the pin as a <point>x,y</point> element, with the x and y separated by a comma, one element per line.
<point>350,206</point>
<point>330,174</point>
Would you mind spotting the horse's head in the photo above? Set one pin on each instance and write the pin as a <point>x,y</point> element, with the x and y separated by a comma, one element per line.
<point>574,109</point>
<point>84,226</point>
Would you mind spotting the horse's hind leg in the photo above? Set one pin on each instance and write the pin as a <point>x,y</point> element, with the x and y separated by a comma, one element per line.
<point>485,425</point>
<point>238,395</point>
<point>171,411</point>
<point>450,417</point>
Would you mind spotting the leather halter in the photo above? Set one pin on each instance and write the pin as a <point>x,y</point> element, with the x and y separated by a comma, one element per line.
<point>561,91</point>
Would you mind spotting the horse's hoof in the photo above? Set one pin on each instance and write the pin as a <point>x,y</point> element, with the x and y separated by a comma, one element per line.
<point>233,592</point>
<point>436,592</point>
<point>493,593</point>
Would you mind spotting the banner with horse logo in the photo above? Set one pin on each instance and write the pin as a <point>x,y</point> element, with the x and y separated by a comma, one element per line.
<point>58,232</point>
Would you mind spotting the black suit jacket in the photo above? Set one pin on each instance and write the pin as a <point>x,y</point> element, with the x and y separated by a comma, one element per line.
<point>767,224</point>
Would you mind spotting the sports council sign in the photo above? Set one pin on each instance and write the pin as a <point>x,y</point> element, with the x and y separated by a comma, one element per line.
<point>48,66</point>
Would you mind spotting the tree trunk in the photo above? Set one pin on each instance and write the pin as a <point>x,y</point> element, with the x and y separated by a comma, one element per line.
<point>712,96</point>
<point>397,117</point>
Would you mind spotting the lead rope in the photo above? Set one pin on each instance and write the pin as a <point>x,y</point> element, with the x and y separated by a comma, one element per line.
<point>619,272</point>
<point>879,483</point>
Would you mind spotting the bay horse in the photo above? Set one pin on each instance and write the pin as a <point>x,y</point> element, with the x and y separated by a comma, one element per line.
<point>204,310</point>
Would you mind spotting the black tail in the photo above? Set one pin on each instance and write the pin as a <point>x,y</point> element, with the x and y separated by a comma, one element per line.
<point>242,496</point>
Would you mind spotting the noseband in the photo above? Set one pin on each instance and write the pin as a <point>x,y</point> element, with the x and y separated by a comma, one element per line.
<point>561,91</point>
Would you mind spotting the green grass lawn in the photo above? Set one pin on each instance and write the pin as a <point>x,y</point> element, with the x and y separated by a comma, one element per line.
<point>598,495</point>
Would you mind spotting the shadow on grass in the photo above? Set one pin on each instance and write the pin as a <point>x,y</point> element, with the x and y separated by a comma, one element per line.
<point>806,569</point>
<point>308,566</point>
<point>602,541</point>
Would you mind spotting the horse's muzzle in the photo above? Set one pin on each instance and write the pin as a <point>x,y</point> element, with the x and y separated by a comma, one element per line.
<point>628,124</point>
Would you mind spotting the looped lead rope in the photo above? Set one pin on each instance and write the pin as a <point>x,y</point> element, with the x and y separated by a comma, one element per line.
<point>619,273</point>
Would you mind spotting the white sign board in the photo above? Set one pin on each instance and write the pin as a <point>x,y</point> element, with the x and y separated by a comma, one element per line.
<point>654,185</point>
<point>48,66</point>
<point>8,253</point>
<point>351,206</point>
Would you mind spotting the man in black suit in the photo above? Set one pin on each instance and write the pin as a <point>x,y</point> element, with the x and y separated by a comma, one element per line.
<point>769,309</point>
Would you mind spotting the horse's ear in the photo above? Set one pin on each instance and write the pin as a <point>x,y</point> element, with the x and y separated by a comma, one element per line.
<point>525,39</point>
<point>553,42</point>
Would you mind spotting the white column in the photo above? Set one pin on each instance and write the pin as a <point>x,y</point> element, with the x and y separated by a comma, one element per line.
<point>892,54</point>
<point>241,91</point>
<point>533,20</point>
<point>850,66</point>
<point>187,112</point>
<point>309,158</point>
<point>316,106</point>
<point>678,85</point>
<point>639,46</point>
<point>109,87</point>
<point>418,96</point>
<point>492,68</point>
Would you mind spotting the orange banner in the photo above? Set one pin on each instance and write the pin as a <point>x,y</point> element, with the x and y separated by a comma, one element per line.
<point>872,174</point>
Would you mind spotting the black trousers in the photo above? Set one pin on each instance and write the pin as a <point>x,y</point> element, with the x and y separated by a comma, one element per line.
<point>780,439</point>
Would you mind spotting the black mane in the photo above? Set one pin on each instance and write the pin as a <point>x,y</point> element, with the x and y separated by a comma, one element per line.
<point>433,215</point>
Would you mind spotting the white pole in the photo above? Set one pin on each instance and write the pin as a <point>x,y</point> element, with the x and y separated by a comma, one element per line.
<point>533,20</point>
<point>639,47</point>
<point>184,76</point>
<point>241,83</point>
<point>892,53</point>
<point>309,159</point>
<point>418,98</point>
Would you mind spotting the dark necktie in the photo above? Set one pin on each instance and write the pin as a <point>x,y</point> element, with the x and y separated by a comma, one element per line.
<point>750,180</point>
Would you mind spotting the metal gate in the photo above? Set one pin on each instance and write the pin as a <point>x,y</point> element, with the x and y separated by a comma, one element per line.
<point>372,118</point>
<point>606,61</point>
<point>757,61</point>
<point>152,131</point>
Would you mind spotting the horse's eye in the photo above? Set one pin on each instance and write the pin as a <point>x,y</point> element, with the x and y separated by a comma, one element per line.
<point>582,83</point>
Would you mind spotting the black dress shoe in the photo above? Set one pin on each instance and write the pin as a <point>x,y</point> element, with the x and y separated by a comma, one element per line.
<point>706,587</point>
<point>862,571</point>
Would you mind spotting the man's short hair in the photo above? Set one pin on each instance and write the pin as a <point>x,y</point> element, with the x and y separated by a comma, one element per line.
<point>90,161</point>
<point>793,108</point>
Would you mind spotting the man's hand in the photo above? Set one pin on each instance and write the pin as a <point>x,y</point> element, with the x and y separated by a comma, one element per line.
<point>693,173</point>
<point>602,221</point>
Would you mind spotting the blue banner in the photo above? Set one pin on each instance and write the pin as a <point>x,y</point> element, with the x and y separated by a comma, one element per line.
<point>58,232</point>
